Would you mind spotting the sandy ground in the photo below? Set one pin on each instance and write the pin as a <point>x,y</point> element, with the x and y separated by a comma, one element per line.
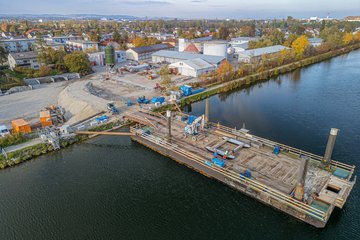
<point>81,98</point>
<point>28,104</point>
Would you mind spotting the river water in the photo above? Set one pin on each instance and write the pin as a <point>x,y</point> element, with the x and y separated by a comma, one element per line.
<point>113,188</point>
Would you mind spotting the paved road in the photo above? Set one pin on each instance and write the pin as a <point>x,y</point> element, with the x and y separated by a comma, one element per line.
<point>30,143</point>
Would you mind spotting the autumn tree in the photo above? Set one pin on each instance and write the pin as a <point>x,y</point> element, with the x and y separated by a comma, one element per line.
<point>165,76</point>
<point>299,45</point>
<point>116,36</point>
<point>292,37</point>
<point>225,71</point>
<point>357,36</point>
<point>348,38</point>
<point>138,42</point>
<point>78,62</point>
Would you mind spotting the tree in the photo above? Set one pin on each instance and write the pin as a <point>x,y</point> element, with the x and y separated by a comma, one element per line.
<point>116,36</point>
<point>348,38</point>
<point>299,45</point>
<point>3,55</point>
<point>225,71</point>
<point>357,36</point>
<point>164,70</point>
<point>166,81</point>
<point>78,62</point>
<point>223,33</point>
<point>276,36</point>
<point>247,31</point>
<point>292,37</point>
<point>138,42</point>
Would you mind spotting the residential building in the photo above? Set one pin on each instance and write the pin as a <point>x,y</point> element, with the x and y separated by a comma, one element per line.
<point>17,45</point>
<point>81,45</point>
<point>62,39</point>
<point>24,60</point>
<point>255,55</point>
<point>192,67</point>
<point>55,45</point>
<point>144,53</point>
<point>173,57</point>
<point>104,44</point>
<point>98,58</point>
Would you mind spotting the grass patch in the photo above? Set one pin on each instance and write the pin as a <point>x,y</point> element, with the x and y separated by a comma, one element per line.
<point>12,139</point>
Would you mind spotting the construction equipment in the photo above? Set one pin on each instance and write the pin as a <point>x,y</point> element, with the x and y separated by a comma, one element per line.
<point>52,115</point>
<point>158,100</point>
<point>187,90</point>
<point>112,108</point>
<point>143,100</point>
<point>195,125</point>
<point>50,136</point>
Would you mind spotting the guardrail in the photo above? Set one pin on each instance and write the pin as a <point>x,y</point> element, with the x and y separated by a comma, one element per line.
<point>234,176</point>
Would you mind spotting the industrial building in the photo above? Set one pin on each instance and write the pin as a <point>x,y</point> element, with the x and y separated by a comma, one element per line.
<point>24,60</point>
<point>98,58</point>
<point>173,57</point>
<point>17,45</point>
<point>315,42</point>
<point>144,53</point>
<point>81,45</point>
<point>254,55</point>
<point>192,67</point>
<point>204,45</point>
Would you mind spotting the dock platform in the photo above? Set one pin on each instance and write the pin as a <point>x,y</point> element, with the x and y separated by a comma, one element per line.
<point>255,169</point>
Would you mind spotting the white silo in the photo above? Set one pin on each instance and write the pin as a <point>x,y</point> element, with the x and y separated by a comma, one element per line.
<point>216,48</point>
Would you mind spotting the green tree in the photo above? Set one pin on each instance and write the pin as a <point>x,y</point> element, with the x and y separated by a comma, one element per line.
<point>116,36</point>
<point>3,55</point>
<point>78,62</point>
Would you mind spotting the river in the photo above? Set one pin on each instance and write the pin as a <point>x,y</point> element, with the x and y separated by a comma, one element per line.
<point>113,188</point>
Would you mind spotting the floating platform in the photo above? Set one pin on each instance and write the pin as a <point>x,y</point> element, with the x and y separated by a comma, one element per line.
<point>253,168</point>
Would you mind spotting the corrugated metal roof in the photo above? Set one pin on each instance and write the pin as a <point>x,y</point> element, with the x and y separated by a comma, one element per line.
<point>261,51</point>
<point>151,48</point>
<point>188,56</point>
<point>198,63</point>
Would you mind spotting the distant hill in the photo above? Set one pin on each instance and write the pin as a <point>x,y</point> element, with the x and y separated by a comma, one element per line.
<point>353,18</point>
<point>66,16</point>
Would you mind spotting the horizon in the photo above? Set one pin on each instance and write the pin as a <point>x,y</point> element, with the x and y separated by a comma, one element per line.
<point>200,9</point>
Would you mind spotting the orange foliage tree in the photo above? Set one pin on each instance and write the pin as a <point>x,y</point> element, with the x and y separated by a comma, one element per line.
<point>348,38</point>
<point>225,71</point>
<point>299,45</point>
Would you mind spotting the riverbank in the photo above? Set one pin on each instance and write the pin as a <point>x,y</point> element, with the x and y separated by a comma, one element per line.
<point>266,75</point>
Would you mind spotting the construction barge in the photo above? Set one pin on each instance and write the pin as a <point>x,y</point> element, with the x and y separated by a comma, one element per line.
<point>303,185</point>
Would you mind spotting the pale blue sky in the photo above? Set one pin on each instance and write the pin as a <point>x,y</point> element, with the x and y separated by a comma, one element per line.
<point>187,8</point>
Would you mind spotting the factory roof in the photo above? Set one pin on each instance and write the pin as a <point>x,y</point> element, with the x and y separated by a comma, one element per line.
<point>197,64</point>
<point>152,48</point>
<point>24,55</point>
<point>245,39</point>
<point>81,42</point>
<point>261,51</point>
<point>188,56</point>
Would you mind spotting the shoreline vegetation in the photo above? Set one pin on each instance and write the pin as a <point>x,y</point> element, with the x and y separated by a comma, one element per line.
<point>28,153</point>
<point>265,75</point>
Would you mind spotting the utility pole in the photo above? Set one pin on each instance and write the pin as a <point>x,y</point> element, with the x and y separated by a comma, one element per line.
<point>207,111</point>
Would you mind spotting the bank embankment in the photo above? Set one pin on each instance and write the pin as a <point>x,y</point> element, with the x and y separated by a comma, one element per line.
<point>249,80</point>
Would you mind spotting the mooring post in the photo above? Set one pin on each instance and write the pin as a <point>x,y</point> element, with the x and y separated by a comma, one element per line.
<point>168,115</point>
<point>299,189</point>
<point>330,147</point>
<point>206,110</point>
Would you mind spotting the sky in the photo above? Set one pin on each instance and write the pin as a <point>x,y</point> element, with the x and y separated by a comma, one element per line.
<point>233,9</point>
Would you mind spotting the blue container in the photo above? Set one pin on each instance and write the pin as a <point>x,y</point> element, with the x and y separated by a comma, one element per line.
<point>191,119</point>
<point>218,162</point>
<point>157,99</point>
<point>187,90</point>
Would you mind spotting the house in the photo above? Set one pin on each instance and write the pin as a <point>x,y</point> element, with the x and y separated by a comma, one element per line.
<point>81,45</point>
<point>24,60</point>
<point>144,53</point>
<point>173,57</point>
<point>55,45</point>
<point>17,45</point>
<point>315,42</point>
<point>192,67</point>
<point>98,58</point>
<point>104,44</point>
<point>254,55</point>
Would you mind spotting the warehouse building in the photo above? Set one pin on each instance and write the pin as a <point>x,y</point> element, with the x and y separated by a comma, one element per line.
<point>144,53</point>
<point>192,67</point>
<point>254,55</point>
<point>24,60</point>
<point>174,57</point>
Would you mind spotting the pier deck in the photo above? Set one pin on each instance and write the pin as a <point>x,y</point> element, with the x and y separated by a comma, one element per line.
<point>273,176</point>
